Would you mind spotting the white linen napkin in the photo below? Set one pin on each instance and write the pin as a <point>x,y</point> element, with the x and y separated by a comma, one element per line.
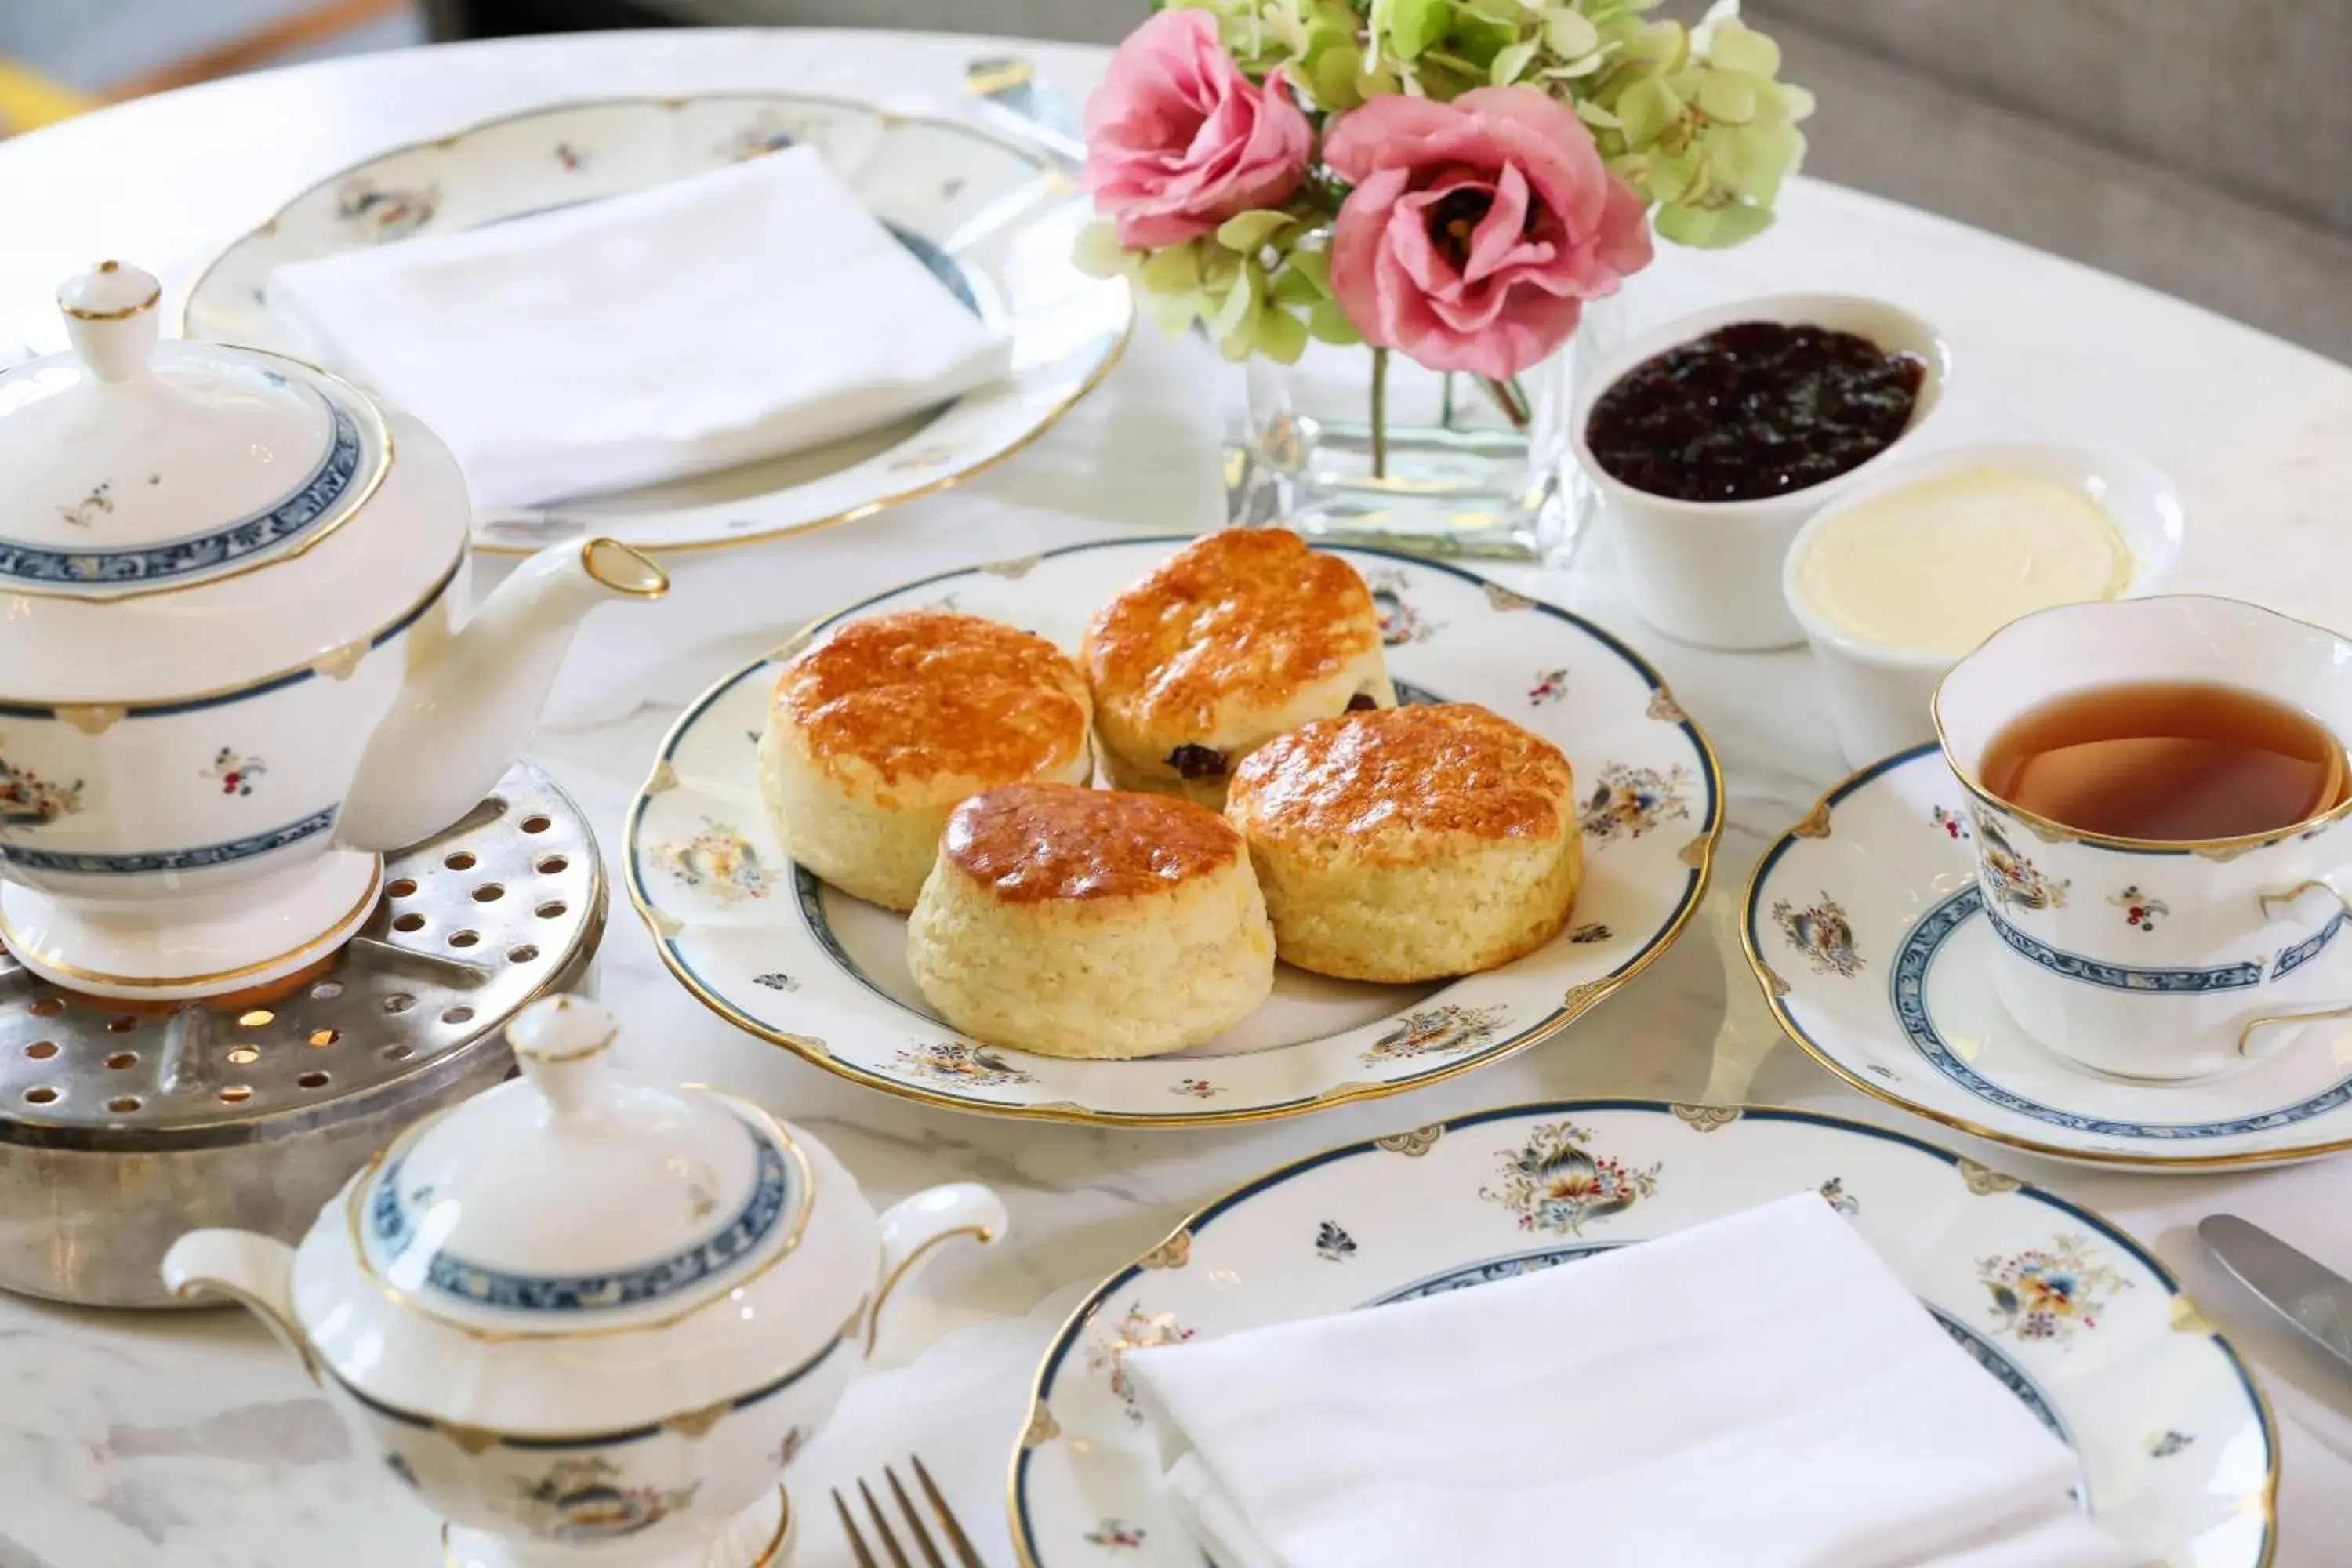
<point>749,312</point>
<point>1760,1391</point>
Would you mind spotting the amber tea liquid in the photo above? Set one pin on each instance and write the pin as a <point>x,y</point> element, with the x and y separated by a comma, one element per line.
<point>2167,760</point>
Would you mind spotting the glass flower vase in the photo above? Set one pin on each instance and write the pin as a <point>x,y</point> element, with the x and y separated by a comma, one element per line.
<point>1455,467</point>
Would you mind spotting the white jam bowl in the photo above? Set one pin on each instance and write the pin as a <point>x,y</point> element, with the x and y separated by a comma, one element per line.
<point>1880,696</point>
<point>2155,960</point>
<point>1708,573</point>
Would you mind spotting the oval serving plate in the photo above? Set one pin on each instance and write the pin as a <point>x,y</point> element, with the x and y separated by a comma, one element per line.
<point>2074,1318</point>
<point>993,221</point>
<point>1865,927</point>
<point>776,952</point>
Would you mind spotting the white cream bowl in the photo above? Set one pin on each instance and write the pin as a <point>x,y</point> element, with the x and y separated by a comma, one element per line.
<point>1708,573</point>
<point>1880,696</point>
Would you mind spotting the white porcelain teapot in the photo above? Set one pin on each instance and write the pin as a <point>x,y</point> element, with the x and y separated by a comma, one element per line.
<point>231,670</point>
<point>590,1319</point>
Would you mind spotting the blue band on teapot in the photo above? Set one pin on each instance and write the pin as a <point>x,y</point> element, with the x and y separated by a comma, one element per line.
<point>197,858</point>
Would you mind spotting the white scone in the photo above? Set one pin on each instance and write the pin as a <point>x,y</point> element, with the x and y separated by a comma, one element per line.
<point>1079,922</point>
<point>877,732</point>
<point>1412,842</point>
<point>1239,637</point>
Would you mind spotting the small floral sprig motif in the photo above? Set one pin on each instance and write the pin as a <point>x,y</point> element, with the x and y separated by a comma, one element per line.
<point>1555,1183</point>
<point>776,980</point>
<point>718,860</point>
<point>1822,933</point>
<point>2050,1292</point>
<point>2017,882</point>
<point>1401,624</point>
<point>382,213</point>
<point>29,800</point>
<point>1194,1088</point>
<point>1333,1244</point>
<point>1449,1026</point>
<point>235,771</point>
<point>571,158</point>
<point>1954,825</point>
<point>1117,1535</point>
<point>2168,1444</point>
<point>789,1449</point>
<point>1136,1330</point>
<point>961,1065</point>
<point>1833,1194</point>
<point>83,512</point>
<point>1590,932</point>
<point>1629,801</point>
<point>768,132</point>
<point>2140,911</point>
<point>589,1499</point>
<point>1549,686</point>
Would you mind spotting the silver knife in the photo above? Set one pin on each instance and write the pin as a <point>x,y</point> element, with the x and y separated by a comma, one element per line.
<point>1005,91</point>
<point>2307,1293</point>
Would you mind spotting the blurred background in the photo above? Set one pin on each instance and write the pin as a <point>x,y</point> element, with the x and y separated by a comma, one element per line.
<point>2202,147</point>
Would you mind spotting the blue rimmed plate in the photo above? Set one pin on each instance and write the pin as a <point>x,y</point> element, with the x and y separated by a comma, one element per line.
<point>1865,927</point>
<point>778,954</point>
<point>993,221</point>
<point>2073,1317</point>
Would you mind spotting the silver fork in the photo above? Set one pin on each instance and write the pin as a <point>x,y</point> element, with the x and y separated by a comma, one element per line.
<point>956,1541</point>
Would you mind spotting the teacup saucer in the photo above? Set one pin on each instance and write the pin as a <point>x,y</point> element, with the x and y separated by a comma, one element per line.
<point>1862,923</point>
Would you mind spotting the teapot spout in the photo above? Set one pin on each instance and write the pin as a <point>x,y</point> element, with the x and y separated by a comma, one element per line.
<point>465,714</point>
<point>253,1270</point>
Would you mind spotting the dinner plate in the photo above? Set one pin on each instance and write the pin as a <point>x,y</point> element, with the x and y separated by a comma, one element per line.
<point>993,220</point>
<point>2072,1316</point>
<point>1865,927</point>
<point>775,951</point>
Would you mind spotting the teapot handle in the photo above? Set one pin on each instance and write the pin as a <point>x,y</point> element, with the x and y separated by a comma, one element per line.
<point>912,1228</point>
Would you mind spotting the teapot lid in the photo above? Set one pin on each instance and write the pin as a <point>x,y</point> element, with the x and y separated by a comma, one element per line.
<point>579,1198</point>
<point>142,467</point>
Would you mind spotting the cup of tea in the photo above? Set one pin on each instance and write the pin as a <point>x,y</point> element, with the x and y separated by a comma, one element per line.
<point>2157,791</point>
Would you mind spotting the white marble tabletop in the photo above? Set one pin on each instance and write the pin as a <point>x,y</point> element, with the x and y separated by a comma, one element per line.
<point>127,1441</point>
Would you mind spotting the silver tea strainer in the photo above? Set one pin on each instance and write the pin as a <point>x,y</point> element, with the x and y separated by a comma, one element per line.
<point>122,1128</point>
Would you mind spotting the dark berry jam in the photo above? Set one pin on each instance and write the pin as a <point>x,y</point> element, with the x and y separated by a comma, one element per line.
<point>1192,762</point>
<point>1756,409</point>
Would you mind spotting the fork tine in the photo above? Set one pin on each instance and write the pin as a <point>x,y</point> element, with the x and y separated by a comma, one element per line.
<point>849,1528</point>
<point>965,1555</point>
<point>931,1558</point>
<point>882,1528</point>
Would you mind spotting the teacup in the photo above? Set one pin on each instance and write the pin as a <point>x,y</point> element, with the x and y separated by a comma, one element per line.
<point>2146,959</point>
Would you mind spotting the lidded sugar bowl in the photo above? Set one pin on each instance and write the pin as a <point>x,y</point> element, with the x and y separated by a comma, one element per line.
<point>589,1317</point>
<point>232,669</point>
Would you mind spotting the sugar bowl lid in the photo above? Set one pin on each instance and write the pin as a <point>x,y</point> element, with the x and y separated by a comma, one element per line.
<point>579,1198</point>
<point>139,465</point>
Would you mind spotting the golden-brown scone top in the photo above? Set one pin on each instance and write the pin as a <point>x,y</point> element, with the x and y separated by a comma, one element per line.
<point>919,693</point>
<point>1235,620</point>
<point>1404,775</point>
<point>1030,842</point>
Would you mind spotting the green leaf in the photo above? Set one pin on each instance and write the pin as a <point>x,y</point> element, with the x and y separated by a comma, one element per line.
<point>1099,253</point>
<point>1290,288</point>
<point>1171,269</point>
<point>1478,39</point>
<point>1509,63</point>
<point>1414,25</point>
<point>1736,47</point>
<point>1646,108</point>
<point>1331,78</point>
<point>1281,336</point>
<point>1569,35</point>
<point>1712,229</point>
<point>1238,306</point>
<point>1251,232</point>
<point>1726,99</point>
<point>1314,265</point>
<point>1329,324</point>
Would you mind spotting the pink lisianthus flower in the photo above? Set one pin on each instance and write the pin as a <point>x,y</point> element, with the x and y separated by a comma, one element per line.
<point>1178,140</point>
<point>1476,228</point>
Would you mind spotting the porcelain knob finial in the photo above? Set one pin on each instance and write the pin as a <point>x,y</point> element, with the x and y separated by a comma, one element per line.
<point>111,318</point>
<point>562,1043</point>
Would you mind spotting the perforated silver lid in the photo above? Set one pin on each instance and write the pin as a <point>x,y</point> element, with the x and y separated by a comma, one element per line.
<point>473,924</point>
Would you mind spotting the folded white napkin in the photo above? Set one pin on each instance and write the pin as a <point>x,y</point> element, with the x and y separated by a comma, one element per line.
<point>1760,1391</point>
<point>751,311</point>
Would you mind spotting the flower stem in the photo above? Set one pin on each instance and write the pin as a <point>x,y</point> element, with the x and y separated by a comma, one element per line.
<point>1380,414</point>
<point>1445,402</point>
<point>1509,399</point>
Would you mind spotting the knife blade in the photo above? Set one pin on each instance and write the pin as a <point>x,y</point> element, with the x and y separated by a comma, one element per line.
<point>2300,1289</point>
<point>1006,91</point>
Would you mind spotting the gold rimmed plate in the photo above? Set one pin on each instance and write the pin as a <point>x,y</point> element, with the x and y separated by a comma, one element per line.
<point>1865,926</point>
<point>992,221</point>
<point>767,946</point>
